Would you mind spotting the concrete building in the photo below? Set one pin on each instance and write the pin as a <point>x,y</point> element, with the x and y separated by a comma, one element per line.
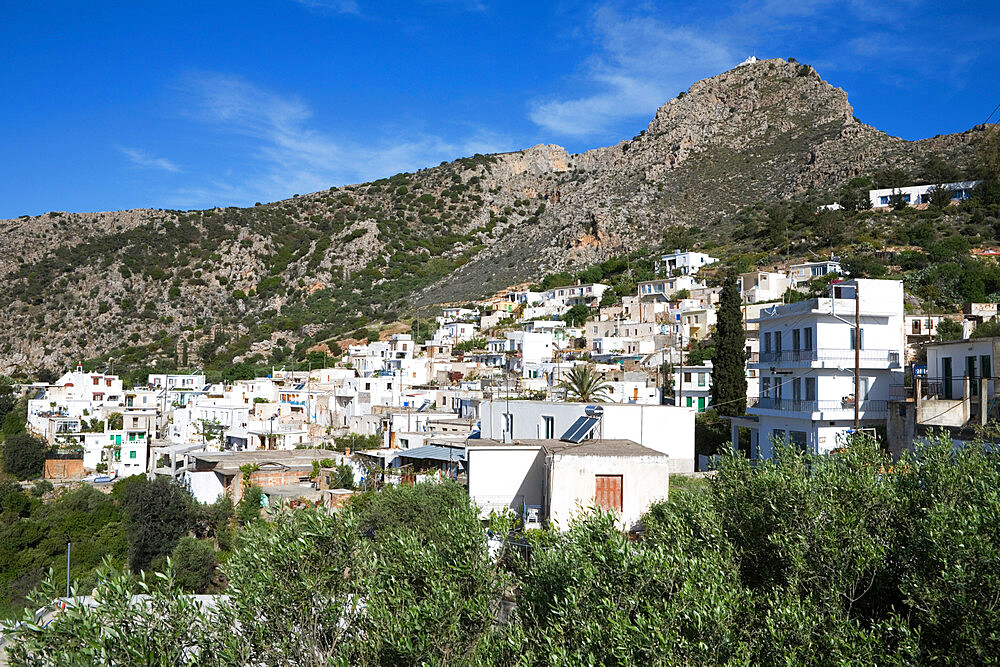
<point>662,428</point>
<point>917,195</point>
<point>683,262</point>
<point>806,271</point>
<point>806,364</point>
<point>552,481</point>
<point>693,386</point>
<point>959,382</point>
<point>763,286</point>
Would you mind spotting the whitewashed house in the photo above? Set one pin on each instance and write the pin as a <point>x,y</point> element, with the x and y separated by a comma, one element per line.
<point>763,286</point>
<point>915,195</point>
<point>663,428</point>
<point>684,262</point>
<point>549,482</point>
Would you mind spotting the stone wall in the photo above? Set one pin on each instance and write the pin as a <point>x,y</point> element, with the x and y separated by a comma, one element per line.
<point>60,469</point>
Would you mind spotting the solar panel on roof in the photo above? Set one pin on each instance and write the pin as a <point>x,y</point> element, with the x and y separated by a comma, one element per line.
<point>300,386</point>
<point>206,387</point>
<point>580,429</point>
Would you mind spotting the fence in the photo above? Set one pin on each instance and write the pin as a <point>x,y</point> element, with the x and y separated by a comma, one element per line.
<point>846,356</point>
<point>796,405</point>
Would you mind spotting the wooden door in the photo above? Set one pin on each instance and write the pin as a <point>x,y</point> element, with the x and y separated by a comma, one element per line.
<point>608,492</point>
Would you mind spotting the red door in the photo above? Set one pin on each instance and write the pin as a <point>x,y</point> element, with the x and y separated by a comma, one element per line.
<point>608,492</point>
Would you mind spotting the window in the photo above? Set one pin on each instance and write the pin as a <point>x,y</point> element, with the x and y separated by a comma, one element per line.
<point>796,339</point>
<point>777,342</point>
<point>131,454</point>
<point>810,389</point>
<point>796,388</point>
<point>765,387</point>
<point>687,378</point>
<point>906,198</point>
<point>97,381</point>
<point>916,327</point>
<point>608,492</point>
<point>884,201</point>
<point>549,427</point>
<point>808,338</point>
<point>798,438</point>
<point>767,341</point>
<point>852,330</point>
<point>701,379</point>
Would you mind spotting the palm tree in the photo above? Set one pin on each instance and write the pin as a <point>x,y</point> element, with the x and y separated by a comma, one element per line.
<point>583,384</point>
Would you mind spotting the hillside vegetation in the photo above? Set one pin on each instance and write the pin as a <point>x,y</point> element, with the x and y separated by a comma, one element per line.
<point>270,283</point>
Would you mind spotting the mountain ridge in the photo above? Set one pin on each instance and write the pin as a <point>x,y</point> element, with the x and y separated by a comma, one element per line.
<point>253,282</point>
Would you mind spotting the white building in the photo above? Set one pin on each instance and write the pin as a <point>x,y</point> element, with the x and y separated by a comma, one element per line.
<point>915,195</point>
<point>667,287</point>
<point>806,271</point>
<point>693,386</point>
<point>958,375</point>
<point>169,381</point>
<point>763,286</point>
<point>806,364</point>
<point>686,262</point>
<point>553,481</point>
<point>455,332</point>
<point>454,314</point>
<point>663,428</point>
<point>571,295</point>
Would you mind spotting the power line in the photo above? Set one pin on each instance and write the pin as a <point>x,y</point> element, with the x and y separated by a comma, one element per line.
<point>991,113</point>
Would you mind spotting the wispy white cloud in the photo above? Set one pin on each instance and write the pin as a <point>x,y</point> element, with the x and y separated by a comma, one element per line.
<point>641,61</point>
<point>288,154</point>
<point>141,158</point>
<point>333,6</point>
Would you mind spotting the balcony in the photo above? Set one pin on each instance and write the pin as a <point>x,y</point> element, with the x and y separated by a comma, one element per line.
<point>826,358</point>
<point>817,410</point>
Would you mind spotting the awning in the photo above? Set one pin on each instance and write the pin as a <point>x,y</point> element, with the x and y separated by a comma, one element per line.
<point>433,452</point>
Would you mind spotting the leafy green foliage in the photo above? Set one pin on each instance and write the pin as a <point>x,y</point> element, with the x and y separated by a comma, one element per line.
<point>576,315</point>
<point>23,455</point>
<point>194,563</point>
<point>157,515</point>
<point>841,559</point>
<point>33,539</point>
<point>949,330</point>
<point>585,385</point>
<point>248,509</point>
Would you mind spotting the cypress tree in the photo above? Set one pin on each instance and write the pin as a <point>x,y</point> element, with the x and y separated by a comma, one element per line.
<point>729,382</point>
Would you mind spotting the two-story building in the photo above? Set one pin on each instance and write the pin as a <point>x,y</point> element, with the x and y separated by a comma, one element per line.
<point>683,262</point>
<point>763,286</point>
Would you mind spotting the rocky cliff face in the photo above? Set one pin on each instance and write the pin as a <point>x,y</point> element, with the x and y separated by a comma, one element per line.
<point>250,283</point>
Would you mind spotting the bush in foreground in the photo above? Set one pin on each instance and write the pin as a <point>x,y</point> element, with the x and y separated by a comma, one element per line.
<point>803,560</point>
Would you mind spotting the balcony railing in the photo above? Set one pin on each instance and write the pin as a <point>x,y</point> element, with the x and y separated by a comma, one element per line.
<point>846,356</point>
<point>795,405</point>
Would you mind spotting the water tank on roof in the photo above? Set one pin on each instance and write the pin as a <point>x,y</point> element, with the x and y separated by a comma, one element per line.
<point>593,411</point>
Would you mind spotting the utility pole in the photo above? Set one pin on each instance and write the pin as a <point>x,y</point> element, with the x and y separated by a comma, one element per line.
<point>680,370</point>
<point>68,545</point>
<point>857,355</point>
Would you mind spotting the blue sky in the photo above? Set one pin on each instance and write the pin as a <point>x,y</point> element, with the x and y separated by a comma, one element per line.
<point>193,104</point>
